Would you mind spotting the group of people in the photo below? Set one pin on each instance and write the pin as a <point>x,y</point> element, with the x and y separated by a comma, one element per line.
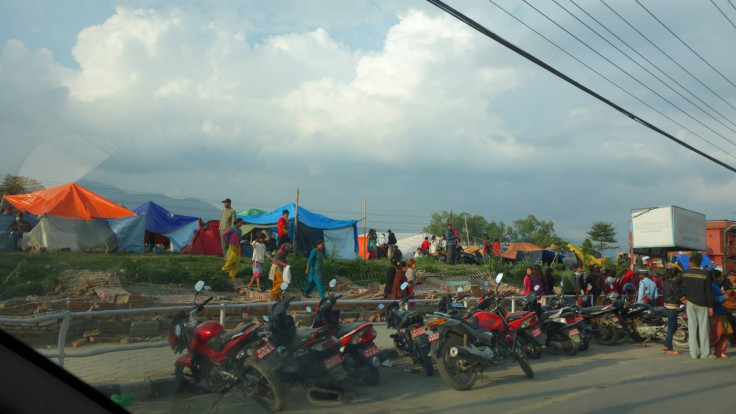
<point>381,246</point>
<point>396,276</point>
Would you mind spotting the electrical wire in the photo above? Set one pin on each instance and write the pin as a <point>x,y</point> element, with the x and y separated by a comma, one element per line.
<point>686,45</point>
<point>724,14</point>
<point>475,25</point>
<point>668,56</point>
<point>656,67</point>
<point>627,73</point>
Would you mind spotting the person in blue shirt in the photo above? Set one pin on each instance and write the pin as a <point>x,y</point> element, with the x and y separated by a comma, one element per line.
<point>314,270</point>
<point>720,323</point>
<point>647,289</point>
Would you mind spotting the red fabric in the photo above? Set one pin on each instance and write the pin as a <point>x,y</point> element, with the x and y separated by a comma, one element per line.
<point>496,249</point>
<point>425,245</point>
<point>68,200</point>
<point>396,292</point>
<point>280,226</point>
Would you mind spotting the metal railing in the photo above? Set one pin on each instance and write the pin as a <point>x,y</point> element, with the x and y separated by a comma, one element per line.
<point>67,316</point>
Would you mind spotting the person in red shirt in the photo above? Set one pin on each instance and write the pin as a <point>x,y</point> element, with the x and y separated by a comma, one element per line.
<point>487,249</point>
<point>425,246</point>
<point>282,226</point>
<point>496,248</point>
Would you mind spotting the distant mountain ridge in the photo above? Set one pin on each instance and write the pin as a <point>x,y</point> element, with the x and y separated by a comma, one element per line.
<point>183,206</point>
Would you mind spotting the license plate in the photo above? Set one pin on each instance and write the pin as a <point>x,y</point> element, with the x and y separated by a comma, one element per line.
<point>265,349</point>
<point>615,319</point>
<point>434,337</point>
<point>370,352</point>
<point>536,332</point>
<point>573,331</point>
<point>333,361</point>
<point>419,331</point>
<point>579,319</point>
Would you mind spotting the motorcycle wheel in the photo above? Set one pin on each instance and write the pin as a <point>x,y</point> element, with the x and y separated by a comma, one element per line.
<point>531,348</point>
<point>623,336</point>
<point>264,385</point>
<point>447,366</point>
<point>427,362</point>
<point>680,337</point>
<point>571,349</point>
<point>373,377</point>
<point>521,359</point>
<point>187,379</point>
<point>636,337</point>
<point>607,334</point>
<point>584,343</point>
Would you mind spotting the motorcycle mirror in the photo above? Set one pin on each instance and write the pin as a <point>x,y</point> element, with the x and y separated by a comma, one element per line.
<point>333,283</point>
<point>381,306</point>
<point>177,330</point>
<point>284,286</point>
<point>536,288</point>
<point>404,285</point>
<point>265,318</point>
<point>308,309</point>
<point>199,285</point>
<point>460,290</point>
<point>499,277</point>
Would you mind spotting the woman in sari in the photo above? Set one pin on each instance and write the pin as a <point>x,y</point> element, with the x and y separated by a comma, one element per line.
<point>278,264</point>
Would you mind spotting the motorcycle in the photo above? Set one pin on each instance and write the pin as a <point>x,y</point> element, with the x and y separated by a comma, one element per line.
<point>645,322</point>
<point>561,336</point>
<point>466,347</point>
<point>309,355</point>
<point>411,338</point>
<point>216,361</point>
<point>573,317</point>
<point>357,349</point>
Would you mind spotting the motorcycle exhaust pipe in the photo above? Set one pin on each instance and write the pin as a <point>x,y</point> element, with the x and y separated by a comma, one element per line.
<point>471,353</point>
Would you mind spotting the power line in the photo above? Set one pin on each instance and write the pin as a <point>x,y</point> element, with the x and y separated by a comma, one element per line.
<point>660,70</point>
<point>668,56</point>
<point>602,76</point>
<point>539,62</point>
<point>724,14</point>
<point>628,74</point>
<point>686,45</point>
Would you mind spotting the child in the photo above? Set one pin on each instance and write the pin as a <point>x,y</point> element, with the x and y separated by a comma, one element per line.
<point>259,256</point>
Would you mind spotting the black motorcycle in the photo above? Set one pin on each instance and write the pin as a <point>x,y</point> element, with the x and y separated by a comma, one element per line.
<point>411,338</point>
<point>560,336</point>
<point>644,322</point>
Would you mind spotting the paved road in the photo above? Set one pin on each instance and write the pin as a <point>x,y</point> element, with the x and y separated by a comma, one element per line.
<point>603,379</point>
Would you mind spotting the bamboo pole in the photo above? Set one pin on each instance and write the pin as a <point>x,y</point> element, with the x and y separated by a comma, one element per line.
<point>467,232</point>
<point>365,228</point>
<point>296,218</point>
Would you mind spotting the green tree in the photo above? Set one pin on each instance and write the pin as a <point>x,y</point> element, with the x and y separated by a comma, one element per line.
<point>603,234</point>
<point>478,227</point>
<point>16,184</point>
<point>587,249</point>
<point>559,244</point>
<point>532,230</point>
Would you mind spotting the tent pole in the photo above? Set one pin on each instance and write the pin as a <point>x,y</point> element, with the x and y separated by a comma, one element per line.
<point>296,217</point>
<point>365,227</point>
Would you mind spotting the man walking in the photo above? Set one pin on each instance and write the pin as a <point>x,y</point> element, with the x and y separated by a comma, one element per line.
<point>699,295</point>
<point>227,220</point>
<point>392,246</point>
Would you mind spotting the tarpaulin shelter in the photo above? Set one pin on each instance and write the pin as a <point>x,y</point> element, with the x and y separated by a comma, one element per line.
<point>251,212</point>
<point>206,240</point>
<point>129,232</point>
<point>513,248</point>
<point>589,259</point>
<point>61,233</point>
<point>178,229</point>
<point>68,200</point>
<point>340,236</point>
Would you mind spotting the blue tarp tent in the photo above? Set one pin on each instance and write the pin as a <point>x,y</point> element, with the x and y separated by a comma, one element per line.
<point>177,228</point>
<point>130,232</point>
<point>340,236</point>
<point>684,261</point>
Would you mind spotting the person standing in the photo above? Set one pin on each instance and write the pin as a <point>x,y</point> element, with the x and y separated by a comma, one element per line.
<point>16,229</point>
<point>372,245</point>
<point>314,270</point>
<point>672,300</point>
<point>699,294</point>
<point>450,242</point>
<point>433,246</point>
<point>497,249</point>
<point>280,261</point>
<point>258,258</point>
<point>720,324</point>
<point>487,249</point>
<point>227,220</point>
<point>647,289</point>
<point>411,271</point>
<point>282,227</point>
<point>577,279</point>
<point>391,245</point>
<point>399,279</point>
<point>548,281</point>
<point>231,237</point>
<point>531,280</point>
<point>390,274</point>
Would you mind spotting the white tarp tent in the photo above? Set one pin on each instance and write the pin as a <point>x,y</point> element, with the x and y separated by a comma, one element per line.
<point>57,233</point>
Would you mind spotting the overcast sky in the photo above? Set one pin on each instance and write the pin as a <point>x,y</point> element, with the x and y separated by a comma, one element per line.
<point>393,102</point>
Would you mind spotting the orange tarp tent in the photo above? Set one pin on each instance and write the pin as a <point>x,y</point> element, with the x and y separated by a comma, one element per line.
<point>68,200</point>
<point>510,253</point>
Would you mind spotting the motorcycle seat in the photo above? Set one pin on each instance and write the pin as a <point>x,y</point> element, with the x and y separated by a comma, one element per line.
<point>515,316</point>
<point>595,310</point>
<point>658,311</point>
<point>237,331</point>
<point>303,335</point>
<point>553,314</point>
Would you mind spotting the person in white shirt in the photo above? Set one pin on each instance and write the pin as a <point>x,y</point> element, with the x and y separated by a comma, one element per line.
<point>259,256</point>
<point>433,246</point>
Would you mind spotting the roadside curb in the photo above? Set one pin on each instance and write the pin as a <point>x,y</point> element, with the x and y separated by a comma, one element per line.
<point>139,389</point>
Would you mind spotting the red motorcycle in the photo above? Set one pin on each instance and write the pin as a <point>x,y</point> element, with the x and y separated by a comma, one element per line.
<point>217,362</point>
<point>468,345</point>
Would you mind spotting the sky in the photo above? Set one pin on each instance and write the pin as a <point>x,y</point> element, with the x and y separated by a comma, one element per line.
<point>394,103</point>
